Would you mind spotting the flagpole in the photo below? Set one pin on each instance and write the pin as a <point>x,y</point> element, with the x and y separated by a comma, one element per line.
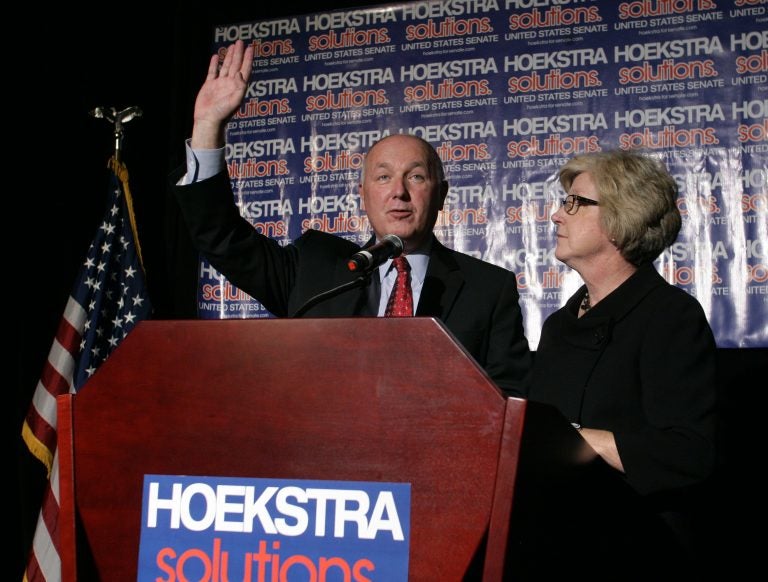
<point>118,119</point>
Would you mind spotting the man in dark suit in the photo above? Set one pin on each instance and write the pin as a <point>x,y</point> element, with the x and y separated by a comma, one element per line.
<point>403,188</point>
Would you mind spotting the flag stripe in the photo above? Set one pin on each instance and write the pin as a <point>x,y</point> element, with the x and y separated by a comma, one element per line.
<point>107,300</point>
<point>68,334</point>
<point>45,551</point>
<point>56,378</point>
<point>33,573</point>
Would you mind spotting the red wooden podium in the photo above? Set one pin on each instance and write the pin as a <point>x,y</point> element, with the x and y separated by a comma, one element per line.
<point>365,399</point>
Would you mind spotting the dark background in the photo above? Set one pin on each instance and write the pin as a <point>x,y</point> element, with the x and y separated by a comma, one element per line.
<point>65,61</point>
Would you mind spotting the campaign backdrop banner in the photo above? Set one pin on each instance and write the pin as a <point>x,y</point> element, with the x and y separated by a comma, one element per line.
<point>507,91</point>
<point>227,528</point>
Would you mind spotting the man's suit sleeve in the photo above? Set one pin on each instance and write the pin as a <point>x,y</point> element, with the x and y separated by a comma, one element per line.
<point>509,356</point>
<point>251,261</point>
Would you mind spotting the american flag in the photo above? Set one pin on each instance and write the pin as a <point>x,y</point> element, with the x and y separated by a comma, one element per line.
<point>107,300</point>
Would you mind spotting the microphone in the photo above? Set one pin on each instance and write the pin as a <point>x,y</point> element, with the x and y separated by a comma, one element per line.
<point>389,247</point>
<point>364,261</point>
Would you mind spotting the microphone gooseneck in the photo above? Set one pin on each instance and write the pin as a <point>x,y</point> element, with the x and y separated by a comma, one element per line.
<point>360,280</point>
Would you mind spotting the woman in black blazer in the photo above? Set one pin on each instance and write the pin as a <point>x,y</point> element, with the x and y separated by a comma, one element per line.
<point>629,359</point>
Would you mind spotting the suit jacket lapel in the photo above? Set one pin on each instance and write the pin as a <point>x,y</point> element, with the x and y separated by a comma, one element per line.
<point>441,283</point>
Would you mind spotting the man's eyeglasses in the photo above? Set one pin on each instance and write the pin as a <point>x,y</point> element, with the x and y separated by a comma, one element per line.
<point>572,202</point>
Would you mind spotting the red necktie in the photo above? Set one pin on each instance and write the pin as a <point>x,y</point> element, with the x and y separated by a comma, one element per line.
<point>400,302</point>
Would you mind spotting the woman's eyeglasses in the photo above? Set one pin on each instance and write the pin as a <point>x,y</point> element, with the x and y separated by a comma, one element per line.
<point>572,202</point>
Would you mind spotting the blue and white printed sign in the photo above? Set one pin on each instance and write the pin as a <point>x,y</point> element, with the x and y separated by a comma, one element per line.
<point>215,529</point>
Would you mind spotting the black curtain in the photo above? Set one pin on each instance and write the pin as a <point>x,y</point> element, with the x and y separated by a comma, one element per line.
<point>155,56</point>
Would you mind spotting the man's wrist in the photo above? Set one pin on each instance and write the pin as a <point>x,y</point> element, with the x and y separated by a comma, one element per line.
<point>207,135</point>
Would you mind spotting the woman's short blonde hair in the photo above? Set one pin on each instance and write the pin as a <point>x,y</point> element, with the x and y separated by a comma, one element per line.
<point>638,200</point>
